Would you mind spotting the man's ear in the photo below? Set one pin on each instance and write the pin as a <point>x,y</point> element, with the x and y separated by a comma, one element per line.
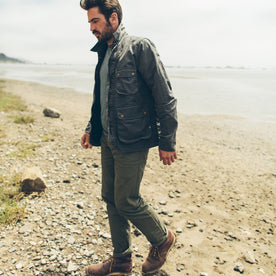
<point>113,20</point>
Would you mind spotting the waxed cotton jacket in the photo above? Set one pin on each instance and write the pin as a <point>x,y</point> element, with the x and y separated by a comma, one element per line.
<point>140,105</point>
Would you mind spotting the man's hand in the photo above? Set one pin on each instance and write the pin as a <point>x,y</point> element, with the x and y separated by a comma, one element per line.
<point>167,157</point>
<point>85,141</point>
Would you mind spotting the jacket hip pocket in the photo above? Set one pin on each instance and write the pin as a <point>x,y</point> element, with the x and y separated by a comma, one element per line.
<point>133,126</point>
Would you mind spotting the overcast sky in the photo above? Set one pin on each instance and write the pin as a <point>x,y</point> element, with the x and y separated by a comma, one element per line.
<point>186,32</point>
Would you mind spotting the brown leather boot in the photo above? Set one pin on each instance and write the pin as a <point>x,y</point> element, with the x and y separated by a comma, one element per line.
<point>157,255</point>
<point>113,266</point>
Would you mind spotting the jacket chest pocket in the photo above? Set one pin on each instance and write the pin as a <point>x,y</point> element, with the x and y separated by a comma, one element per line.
<point>126,82</point>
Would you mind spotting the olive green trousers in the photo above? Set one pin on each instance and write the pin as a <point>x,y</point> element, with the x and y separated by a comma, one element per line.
<point>121,177</point>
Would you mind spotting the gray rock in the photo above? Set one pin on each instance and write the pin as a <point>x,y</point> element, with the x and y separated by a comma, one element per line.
<point>51,112</point>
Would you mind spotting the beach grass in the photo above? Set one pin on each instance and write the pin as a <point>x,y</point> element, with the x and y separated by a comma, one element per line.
<point>2,134</point>
<point>10,195</point>
<point>48,138</point>
<point>23,150</point>
<point>9,102</point>
<point>10,186</point>
<point>23,120</point>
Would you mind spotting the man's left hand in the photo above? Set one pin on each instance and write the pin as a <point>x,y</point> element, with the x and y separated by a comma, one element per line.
<point>167,157</point>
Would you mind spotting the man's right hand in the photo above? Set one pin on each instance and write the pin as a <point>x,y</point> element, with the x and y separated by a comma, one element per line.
<point>85,141</point>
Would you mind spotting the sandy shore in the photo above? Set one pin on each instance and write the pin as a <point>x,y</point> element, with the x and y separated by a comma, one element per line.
<point>218,197</point>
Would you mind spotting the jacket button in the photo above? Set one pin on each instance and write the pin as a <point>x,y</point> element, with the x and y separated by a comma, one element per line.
<point>122,116</point>
<point>133,74</point>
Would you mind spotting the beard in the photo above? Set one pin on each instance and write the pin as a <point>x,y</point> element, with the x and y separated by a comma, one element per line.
<point>106,34</point>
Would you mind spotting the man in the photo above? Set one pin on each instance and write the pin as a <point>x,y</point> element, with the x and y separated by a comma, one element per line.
<point>133,110</point>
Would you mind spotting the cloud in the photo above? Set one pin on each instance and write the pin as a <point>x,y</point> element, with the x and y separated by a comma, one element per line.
<point>204,32</point>
<point>186,32</point>
<point>48,31</point>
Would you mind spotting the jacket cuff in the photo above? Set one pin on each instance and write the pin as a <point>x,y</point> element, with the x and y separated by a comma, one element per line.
<point>88,128</point>
<point>164,145</point>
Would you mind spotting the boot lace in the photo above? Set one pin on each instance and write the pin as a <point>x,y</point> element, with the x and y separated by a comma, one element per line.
<point>154,253</point>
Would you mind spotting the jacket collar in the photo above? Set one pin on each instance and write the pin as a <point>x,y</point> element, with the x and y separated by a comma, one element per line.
<point>118,34</point>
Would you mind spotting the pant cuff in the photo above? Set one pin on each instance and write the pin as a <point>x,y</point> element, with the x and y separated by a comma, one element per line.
<point>122,254</point>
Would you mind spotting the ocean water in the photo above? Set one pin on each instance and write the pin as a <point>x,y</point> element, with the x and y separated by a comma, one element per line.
<point>250,93</point>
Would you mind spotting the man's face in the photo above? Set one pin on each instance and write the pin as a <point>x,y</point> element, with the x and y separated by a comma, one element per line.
<point>98,25</point>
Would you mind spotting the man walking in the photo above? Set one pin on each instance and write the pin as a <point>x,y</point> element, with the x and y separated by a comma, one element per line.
<point>133,110</point>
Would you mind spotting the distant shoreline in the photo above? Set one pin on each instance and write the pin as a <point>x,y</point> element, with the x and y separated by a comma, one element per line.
<point>247,93</point>
<point>6,59</point>
<point>215,67</point>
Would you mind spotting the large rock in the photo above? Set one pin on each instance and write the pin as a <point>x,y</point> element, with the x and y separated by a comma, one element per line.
<point>51,112</point>
<point>32,181</point>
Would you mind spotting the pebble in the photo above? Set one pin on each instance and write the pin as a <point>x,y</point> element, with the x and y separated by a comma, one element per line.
<point>19,266</point>
<point>12,250</point>
<point>191,224</point>
<point>180,267</point>
<point>105,235</point>
<point>163,212</point>
<point>43,262</point>
<point>66,228</point>
<point>239,267</point>
<point>171,195</point>
<point>80,205</point>
<point>72,267</point>
<point>71,240</point>
<point>261,270</point>
<point>249,257</point>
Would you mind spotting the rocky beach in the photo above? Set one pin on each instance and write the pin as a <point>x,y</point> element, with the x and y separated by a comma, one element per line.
<point>218,197</point>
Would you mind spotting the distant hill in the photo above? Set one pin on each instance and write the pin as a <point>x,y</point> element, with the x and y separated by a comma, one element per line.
<point>4,58</point>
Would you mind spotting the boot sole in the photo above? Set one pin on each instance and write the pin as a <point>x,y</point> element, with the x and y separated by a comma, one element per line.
<point>155,270</point>
<point>119,274</point>
<point>110,274</point>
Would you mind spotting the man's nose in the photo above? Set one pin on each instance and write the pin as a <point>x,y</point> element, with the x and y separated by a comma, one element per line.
<point>92,27</point>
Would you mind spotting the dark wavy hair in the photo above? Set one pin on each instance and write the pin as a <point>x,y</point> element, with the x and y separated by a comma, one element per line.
<point>106,7</point>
